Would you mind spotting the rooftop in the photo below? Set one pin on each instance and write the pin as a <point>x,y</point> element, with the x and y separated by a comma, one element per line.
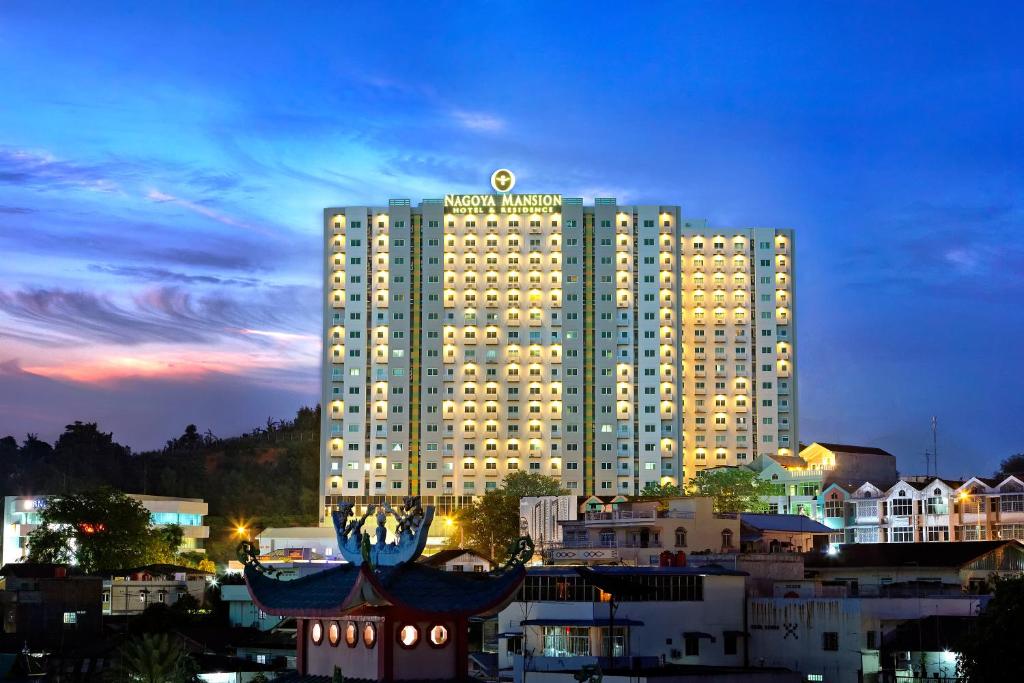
<point>789,461</point>
<point>795,523</point>
<point>934,633</point>
<point>850,448</point>
<point>954,555</point>
<point>412,585</point>
<point>439,559</point>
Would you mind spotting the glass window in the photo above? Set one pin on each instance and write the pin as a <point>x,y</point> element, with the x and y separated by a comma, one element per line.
<point>566,641</point>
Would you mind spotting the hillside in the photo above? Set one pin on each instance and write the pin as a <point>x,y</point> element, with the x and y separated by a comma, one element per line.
<point>265,477</point>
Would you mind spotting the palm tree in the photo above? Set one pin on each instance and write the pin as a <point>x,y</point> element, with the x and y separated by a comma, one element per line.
<point>154,658</point>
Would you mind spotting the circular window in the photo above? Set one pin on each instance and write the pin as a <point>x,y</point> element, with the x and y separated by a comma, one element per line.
<point>351,634</point>
<point>408,636</point>
<point>334,634</point>
<point>317,633</point>
<point>369,634</point>
<point>438,636</point>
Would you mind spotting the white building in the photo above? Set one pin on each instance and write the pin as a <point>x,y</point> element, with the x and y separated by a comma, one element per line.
<point>540,517</point>
<point>929,509</point>
<point>610,346</point>
<point>561,619</point>
<point>321,542</point>
<point>21,517</point>
<point>133,590</point>
<point>457,560</point>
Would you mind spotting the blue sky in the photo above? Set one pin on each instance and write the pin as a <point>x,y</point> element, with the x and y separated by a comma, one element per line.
<point>163,169</point>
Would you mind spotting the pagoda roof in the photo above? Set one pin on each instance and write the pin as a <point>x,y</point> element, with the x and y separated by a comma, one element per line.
<point>411,586</point>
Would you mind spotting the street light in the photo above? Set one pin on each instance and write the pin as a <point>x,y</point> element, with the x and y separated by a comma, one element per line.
<point>964,497</point>
<point>448,524</point>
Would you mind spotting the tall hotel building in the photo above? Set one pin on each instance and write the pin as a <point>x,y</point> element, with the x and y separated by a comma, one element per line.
<point>609,346</point>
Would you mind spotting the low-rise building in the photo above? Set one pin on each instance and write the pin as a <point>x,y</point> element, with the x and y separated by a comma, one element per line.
<point>131,591</point>
<point>321,541</point>
<point>867,568</point>
<point>927,510</point>
<point>565,618</point>
<point>823,638</point>
<point>761,533</point>
<point>926,648</point>
<point>848,462</point>
<point>457,560</point>
<point>42,604</point>
<point>638,531</point>
<point>22,516</point>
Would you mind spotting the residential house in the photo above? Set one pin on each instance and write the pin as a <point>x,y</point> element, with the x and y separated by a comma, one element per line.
<point>761,533</point>
<point>638,531</point>
<point>457,560</point>
<point>131,591</point>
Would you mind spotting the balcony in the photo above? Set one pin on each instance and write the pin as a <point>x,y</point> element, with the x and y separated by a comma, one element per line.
<point>620,516</point>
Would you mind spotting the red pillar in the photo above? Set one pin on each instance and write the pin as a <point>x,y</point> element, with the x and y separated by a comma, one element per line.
<point>301,643</point>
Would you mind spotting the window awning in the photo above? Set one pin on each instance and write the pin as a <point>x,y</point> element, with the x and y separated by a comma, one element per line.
<point>698,634</point>
<point>510,634</point>
<point>580,622</point>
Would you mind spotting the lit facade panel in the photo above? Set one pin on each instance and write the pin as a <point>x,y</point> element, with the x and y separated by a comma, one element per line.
<point>610,346</point>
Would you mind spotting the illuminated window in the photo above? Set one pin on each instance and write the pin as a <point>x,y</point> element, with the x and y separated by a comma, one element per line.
<point>408,636</point>
<point>369,635</point>
<point>351,634</point>
<point>317,633</point>
<point>334,633</point>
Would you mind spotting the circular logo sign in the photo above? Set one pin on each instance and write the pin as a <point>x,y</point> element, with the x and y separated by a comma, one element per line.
<point>503,180</point>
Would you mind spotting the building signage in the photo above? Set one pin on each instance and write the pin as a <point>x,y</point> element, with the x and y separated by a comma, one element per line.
<point>503,180</point>
<point>502,203</point>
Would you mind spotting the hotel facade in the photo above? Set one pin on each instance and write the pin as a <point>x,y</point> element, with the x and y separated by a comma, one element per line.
<point>609,346</point>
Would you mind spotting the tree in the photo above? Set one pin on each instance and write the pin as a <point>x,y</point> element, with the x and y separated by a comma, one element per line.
<point>988,653</point>
<point>154,658</point>
<point>1011,465</point>
<point>99,530</point>
<point>654,490</point>
<point>733,489</point>
<point>491,524</point>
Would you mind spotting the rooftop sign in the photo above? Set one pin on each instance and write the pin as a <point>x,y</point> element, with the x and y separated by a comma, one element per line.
<point>502,203</point>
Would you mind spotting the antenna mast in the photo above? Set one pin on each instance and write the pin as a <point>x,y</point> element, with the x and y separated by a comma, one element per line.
<point>935,444</point>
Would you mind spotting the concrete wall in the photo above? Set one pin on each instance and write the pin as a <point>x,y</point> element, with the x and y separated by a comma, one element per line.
<point>791,633</point>
<point>664,623</point>
<point>422,660</point>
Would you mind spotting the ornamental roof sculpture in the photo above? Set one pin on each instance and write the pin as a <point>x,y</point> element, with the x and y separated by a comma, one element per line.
<point>412,525</point>
<point>385,576</point>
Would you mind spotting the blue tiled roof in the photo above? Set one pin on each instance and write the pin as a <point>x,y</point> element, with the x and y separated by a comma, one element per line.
<point>796,523</point>
<point>411,585</point>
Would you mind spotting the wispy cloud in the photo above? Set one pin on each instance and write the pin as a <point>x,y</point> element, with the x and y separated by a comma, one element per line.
<point>478,121</point>
<point>162,197</point>
<point>44,171</point>
<point>160,315</point>
<point>154,274</point>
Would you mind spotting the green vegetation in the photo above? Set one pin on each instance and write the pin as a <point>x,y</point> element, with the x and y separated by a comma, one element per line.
<point>733,489</point>
<point>491,524</point>
<point>989,652</point>
<point>231,474</point>
<point>653,490</point>
<point>1014,464</point>
<point>104,529</point>
<point>154,658</point>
